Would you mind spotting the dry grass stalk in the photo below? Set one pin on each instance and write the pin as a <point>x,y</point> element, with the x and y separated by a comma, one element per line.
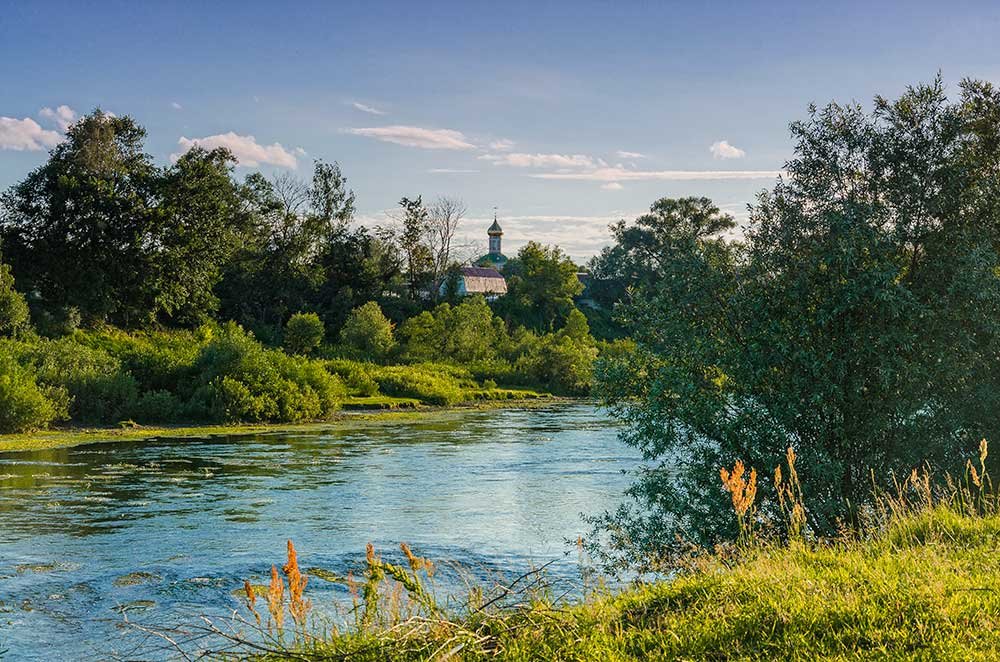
<point>743,492</point>
<point>298,605</point>
<point>276,599</point>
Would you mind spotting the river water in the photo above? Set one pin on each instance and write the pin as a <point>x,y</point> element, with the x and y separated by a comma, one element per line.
<point>161,532</point>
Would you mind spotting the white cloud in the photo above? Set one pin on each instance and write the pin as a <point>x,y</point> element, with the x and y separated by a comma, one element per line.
<point>612,186</point>
<point>364,108</point>
<point>450,171</point>
<point>246,149</point>
<point>62,117</point>
<point>723,150</point>
<point>176,106</point>
<point>618,174</point>
<point>622,154</point>
<point>415,136</point>
<point>502,145</point>
<point>521,160</point>
<point>26,135</point>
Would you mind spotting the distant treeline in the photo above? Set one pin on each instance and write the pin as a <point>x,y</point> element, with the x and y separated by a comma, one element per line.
<point>132,291</point>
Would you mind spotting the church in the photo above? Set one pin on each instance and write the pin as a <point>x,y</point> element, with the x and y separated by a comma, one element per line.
<point>483,276</point>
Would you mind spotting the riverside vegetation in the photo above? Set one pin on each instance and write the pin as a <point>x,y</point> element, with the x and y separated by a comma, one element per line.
<point>135,293</point>
<point>851,332</point>
<point>917,580</point>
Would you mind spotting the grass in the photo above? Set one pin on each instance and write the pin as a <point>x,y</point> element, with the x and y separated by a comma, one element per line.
<point>368,409</point>
<point>921,581</point>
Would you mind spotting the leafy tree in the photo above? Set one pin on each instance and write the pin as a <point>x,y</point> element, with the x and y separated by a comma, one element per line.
<point>465,332</point>
<point>200,222</point>
<point>13,309</point>
<point>419,261</point>
<point>635,258</point>
<point>367,330</point>
<point>541,284</point>
<point>303,333</point>
<point>859,323</point>
<point>76,229</point>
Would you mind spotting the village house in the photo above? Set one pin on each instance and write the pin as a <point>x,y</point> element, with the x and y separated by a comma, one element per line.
<point>483,276</point>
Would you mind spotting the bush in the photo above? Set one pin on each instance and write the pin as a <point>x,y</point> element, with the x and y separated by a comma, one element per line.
<point>157,407</point>
<point>24,405</point>
<point>100,390</point>
<point>412,382</point>
<point>303,333</point>
<point>368,331</point>
<point>240,380</point>
<point>13,309</point>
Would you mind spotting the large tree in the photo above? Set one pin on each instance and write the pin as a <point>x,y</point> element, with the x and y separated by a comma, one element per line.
<point>859,321</point>
<point>541,284</point>
<point>76,230</point>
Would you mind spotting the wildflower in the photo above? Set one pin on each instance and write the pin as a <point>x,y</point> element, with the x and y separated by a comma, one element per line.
<point>297,604</point>
<point>743,492</point>
<point>276,598</point>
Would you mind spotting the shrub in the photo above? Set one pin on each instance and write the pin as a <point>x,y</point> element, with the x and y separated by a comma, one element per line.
<point>369,331</point>
<point>13,309</point>
<point>413,382</point>
<point>157,407</point>
<point>100,390</point>
<point>303,333</point>
<point>24,405</point>
<point>242,381</point>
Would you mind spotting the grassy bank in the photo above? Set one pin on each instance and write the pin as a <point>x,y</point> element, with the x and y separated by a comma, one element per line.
<point>927,587</point>
<point>917,578</point>
<point>373,409</point>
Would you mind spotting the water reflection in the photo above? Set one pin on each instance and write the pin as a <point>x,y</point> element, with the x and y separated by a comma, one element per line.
<point>493,489</point>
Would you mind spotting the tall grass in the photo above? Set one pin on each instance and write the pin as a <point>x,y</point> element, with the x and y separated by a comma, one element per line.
<point>918,579</point>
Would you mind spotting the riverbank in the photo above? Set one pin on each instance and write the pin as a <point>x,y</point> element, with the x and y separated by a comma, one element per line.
<point>359,409</point>
<point>926,587</point>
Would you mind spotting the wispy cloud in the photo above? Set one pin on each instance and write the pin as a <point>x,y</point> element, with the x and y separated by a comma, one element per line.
<point>176,106</point>
<point>365,108</point>
<point>246,149</point>
<point>502,145</point>
<point>63,116</point>
<point>415,136</point>
<point>450,171</point>
<point>522,160</point>
<point>612,186</point>
<point>723,150</point>
<point>26,135</point>
<point>619,174</point>
<point>622,154</point>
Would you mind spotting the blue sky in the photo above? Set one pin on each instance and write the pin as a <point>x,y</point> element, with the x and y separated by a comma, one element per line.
<point>565,116</point>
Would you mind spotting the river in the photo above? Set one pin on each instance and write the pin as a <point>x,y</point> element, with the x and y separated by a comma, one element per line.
<point>161,532</point>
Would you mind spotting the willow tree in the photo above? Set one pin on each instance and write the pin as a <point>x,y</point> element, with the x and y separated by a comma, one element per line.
<point>857,321</point>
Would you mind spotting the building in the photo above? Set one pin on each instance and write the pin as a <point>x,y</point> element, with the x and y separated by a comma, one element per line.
<point>495,258</point>
<point>486,281</point>
<point>483,276</point>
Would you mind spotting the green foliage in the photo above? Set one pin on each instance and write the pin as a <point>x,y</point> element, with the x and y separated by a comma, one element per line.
<point>463,333</point>
<point>100,390</point>
<point>303,333</point>
<point>541,284</point>
<point>368,331</point>
<point>425,382</point>
<point>857,323</point>
<point>240,380</point>
<point>13,309</point>
<point>24,404</point>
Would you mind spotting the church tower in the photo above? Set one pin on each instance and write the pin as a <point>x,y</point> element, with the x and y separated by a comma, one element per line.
<point>495,233</point>
<point>495,258</point>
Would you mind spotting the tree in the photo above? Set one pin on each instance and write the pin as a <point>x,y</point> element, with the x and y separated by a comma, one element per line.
<point>635,258</point>
<point>444,217</point>
<point>368,331</point>
<point>303,333</point>
<point>197,228</point>
<point>541,284</point>
<point>419,260</point>
<point>76,229</point>
<point>13,309</point>
<point>858,323</point>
